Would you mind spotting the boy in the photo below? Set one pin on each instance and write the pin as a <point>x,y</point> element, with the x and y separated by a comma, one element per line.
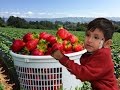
<point>96,64</point>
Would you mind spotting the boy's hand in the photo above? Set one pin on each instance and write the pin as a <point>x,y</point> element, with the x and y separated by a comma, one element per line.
<point>57,54</point>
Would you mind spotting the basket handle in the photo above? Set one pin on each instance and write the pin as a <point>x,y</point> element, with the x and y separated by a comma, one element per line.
<point>27,60</point>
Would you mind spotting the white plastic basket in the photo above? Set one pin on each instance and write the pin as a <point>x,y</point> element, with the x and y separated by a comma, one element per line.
<point>44,72</point>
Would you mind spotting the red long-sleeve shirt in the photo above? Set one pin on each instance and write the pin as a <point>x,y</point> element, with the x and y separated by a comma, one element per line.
<point>97,68</point>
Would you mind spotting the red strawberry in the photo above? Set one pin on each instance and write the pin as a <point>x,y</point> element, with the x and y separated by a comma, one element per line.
<point>59,40</point>
<point>41,48</point>
<point>29,36</point>
<point>17,45</point>
<point>62,33</point>
<point>67,45</point>
<point>66,52</point>
<point>58,46</point>
<point>52,39</point>
<point>77,47</point>
<point>37,52</point>
<point>31,45</point>
<point>41,34</point>
<point>72,38</point>
<point>42,42</point>
<point>48,52</point>
<point>44,35</point>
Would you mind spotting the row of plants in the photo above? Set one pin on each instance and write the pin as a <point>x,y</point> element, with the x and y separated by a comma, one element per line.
<point>116,53</point>
<point>7,35</point>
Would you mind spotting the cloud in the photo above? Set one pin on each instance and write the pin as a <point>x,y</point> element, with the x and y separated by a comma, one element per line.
<point>30,14</point>
<point>4,14</point>
<point>16,14</point>
<point>96,14</point>
<point>7,14</point>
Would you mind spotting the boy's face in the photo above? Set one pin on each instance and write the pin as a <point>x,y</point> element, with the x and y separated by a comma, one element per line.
<point>94,40</point>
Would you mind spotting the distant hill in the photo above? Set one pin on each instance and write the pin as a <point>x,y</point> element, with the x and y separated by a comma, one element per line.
<point>70,19</point>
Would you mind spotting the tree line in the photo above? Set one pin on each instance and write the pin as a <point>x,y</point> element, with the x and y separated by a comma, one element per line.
<point>18,22</point>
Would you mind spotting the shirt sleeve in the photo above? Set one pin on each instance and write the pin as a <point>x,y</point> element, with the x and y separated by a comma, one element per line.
<point>93,70</point>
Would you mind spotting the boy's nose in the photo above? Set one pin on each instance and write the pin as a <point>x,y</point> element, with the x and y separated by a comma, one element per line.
<point>90,39</point>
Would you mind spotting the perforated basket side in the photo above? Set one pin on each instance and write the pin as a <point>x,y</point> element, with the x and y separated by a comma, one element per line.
<point>40,78</point>
<point>44,72</point>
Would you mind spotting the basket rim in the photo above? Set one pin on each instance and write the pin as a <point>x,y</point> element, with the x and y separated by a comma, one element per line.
<point>45,56</point>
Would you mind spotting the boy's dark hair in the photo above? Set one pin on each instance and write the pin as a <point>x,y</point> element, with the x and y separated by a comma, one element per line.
<point>104,25</point>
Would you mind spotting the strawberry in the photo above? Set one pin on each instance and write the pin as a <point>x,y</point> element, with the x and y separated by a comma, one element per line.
<point>29,36</point>
<point>48,51</point>
<point>77,47</point>
<point>42,42</point>
<point>17,45</point>
<point>59,40</point>
<point>41,48</point>
<point>62,33</point>
<point>41,35</point>
<point>52,39</point>
<point>72,38</point>
<point>37,52</point>
<point>31,45</point>
<point>66,52</point>
<point>58,46</point>
<point>67,45</point>
<point>44,35</point>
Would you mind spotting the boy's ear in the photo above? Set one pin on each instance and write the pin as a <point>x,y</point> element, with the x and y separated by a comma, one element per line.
<point>108,43</point>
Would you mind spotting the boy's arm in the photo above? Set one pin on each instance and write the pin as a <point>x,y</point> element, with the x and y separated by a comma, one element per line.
<point>91,71</point>
<point>88,72</point>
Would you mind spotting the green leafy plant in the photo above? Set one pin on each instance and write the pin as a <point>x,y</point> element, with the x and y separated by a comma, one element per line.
<point>4,82</point>
<point>86,86</point>
<point>116,58</point>
<point>1,86</point>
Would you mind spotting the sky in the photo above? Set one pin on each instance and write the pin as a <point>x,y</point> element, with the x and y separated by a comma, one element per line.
<point>59,8</point>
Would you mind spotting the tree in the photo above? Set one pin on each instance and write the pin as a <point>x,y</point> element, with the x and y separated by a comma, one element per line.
<point>47,24</point>
<point>58,24</point>
<point>70,25</point>
<point>11,21</point>
<point>118,29</point>
<point>17,22</point>
<point>81,26</point>
<point>2,22</point>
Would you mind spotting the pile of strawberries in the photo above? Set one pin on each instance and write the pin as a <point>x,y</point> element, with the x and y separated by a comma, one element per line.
<point>43,43</point>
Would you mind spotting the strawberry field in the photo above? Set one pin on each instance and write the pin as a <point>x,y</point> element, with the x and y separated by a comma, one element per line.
<point>7,35</point>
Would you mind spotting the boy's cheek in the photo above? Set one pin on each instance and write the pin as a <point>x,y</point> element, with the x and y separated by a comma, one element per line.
<point>88,48</point>
<point>91,49</point>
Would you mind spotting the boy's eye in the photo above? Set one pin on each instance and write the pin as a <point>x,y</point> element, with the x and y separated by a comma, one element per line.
<point>96,37</point>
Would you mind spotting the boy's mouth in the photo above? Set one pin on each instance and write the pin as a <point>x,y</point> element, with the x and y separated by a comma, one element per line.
<point>88,46</point>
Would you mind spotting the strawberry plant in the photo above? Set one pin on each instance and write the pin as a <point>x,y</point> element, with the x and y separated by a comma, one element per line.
<point>116,54</point>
